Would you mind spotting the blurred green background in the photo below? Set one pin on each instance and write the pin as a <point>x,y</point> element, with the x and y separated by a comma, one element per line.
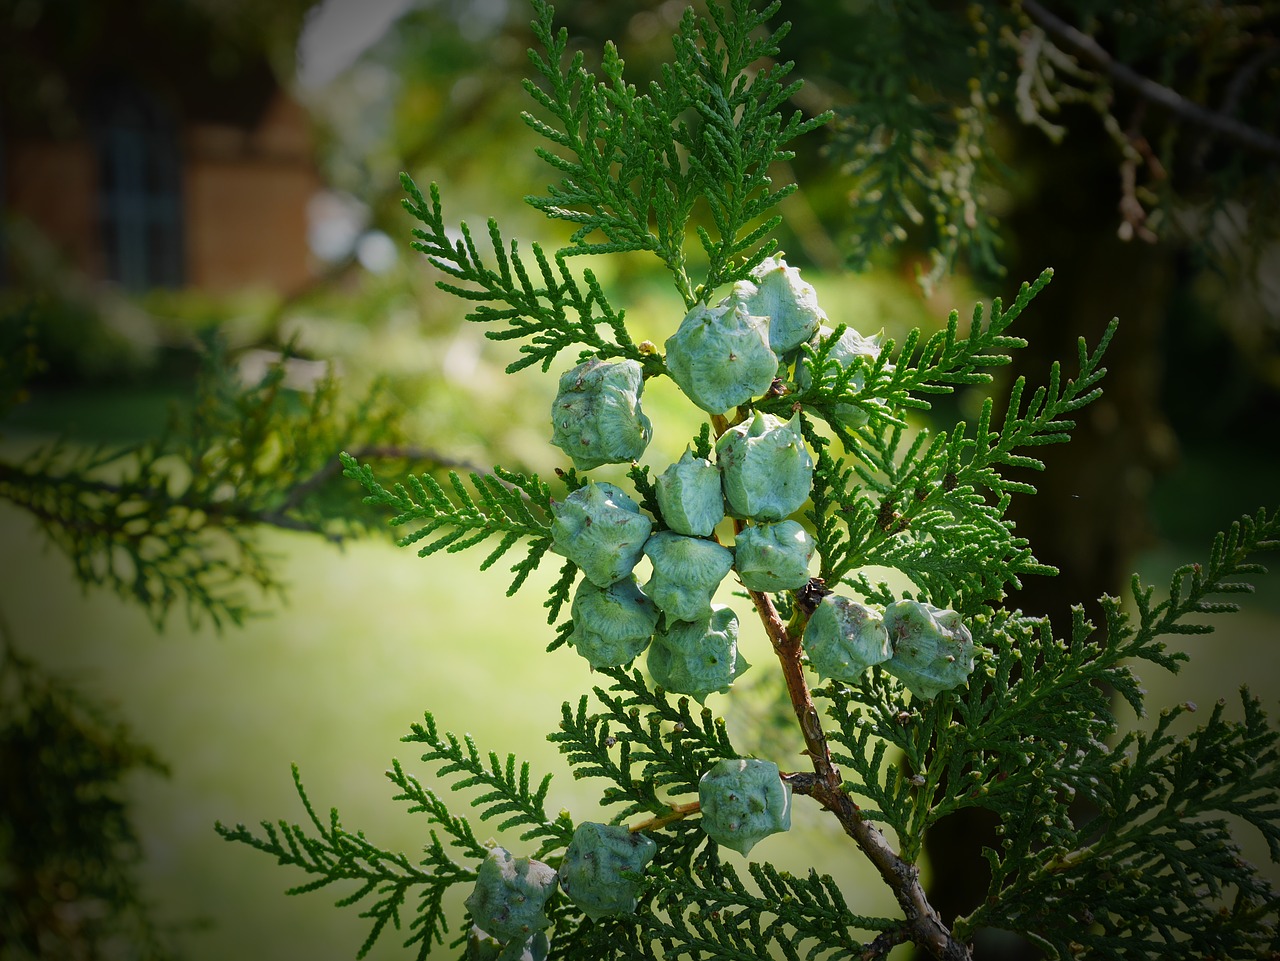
<point>285,133</point>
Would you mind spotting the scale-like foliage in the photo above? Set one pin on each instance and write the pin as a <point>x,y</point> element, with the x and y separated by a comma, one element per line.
<point>70,848</point>
<point>1157,870</point>
<point>176,521</point>
<point>935,511</point>
<point>642,164</point>
<point>549,306</point>
<point>332,854</point>
<point>455,521</point>
<point>388,879</point>
<point>1111,848</point>
<point>670,747</point>
<point>507,791</point>
<point>713,913</point>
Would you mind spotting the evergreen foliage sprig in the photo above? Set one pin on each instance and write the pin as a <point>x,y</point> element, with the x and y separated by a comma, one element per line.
<point>1160,851</point>
<point>456,519</point>
<point>333,855</point>
<point>71,882</point>
<point>901,507</point>
<point>923,165</point>
<point>176,521</point>
<point>668,744</point>
<point>549,305</point>
<point>507,792</point>
<point>934,699</point>
<point>641,164</point>
<point>1040,725</point>
<point>726,918</point>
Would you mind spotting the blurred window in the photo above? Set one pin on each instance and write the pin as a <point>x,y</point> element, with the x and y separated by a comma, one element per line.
<point>140,199</point>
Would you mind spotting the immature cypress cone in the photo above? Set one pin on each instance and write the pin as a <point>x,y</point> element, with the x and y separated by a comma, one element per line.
<point>843,638</point>
<point>720,356</point>
<point>612,625</point>
<point>593,866</point>
<point>600,529</point>
<point>686,573</point>
<point>791,304</point>
<point>932,649</point>
<point>596,417</point>
<point>689,496</point>
<point>773,557</point>
<point>743,800</point>
<point>510,894</point>
<point>764,467</point>
<point>698,657</point>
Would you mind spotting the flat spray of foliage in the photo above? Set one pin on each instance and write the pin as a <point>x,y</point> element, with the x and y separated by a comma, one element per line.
<point>173,523</point>
<point>1110,847</point>
<point>68,847</point>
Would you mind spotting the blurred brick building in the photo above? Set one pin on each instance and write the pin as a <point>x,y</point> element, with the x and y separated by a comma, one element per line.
<point>147,144</point>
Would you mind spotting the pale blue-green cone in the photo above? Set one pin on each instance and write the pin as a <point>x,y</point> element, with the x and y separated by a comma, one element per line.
<point>686,573</point>
<point>612,625</point>
<point>850,346</point>
<point>932,649</point>
<point>843,638</point>
<point>510,894</point>
<point>689,496</point>
<point>743,801</point>
<point>482,946</point>
<point>765,470</point>
<point>593,867</point>
<point>698,657</point>
<point>720,356</point>
<point>596,418</point>
<point>791,304</point>
<point>600,529</point>
<point>773,557</point>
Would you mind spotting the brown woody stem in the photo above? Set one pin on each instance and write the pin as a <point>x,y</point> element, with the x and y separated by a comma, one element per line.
<point>677,813</point>
<point>1170,99</point>
<point>924,923</point>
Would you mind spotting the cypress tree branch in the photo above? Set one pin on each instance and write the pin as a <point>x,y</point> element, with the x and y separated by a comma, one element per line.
<point>1170,99</point>
<point>824,787</point>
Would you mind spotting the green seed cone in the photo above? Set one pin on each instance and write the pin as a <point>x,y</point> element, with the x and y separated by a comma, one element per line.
<point>743,800</point>
<point>612,625</point>
<point>699,657</point>
<point>689,496</point>
<point>720,356</point>
<point>600,529</point>
<point>686,573</point>
<point>773,557</point>
<point>843,638</point>
<point>593,867</point>
<point>510,893</point>
<point>764,467</point>
<point>932,649</point>
<point>482,946</point>
<point>596,418</point>
<point>791,304</point>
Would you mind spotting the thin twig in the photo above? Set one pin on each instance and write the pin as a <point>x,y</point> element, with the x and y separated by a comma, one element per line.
<point>1158,93</point>
<point>925,924</point>
<point>678,812</point>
